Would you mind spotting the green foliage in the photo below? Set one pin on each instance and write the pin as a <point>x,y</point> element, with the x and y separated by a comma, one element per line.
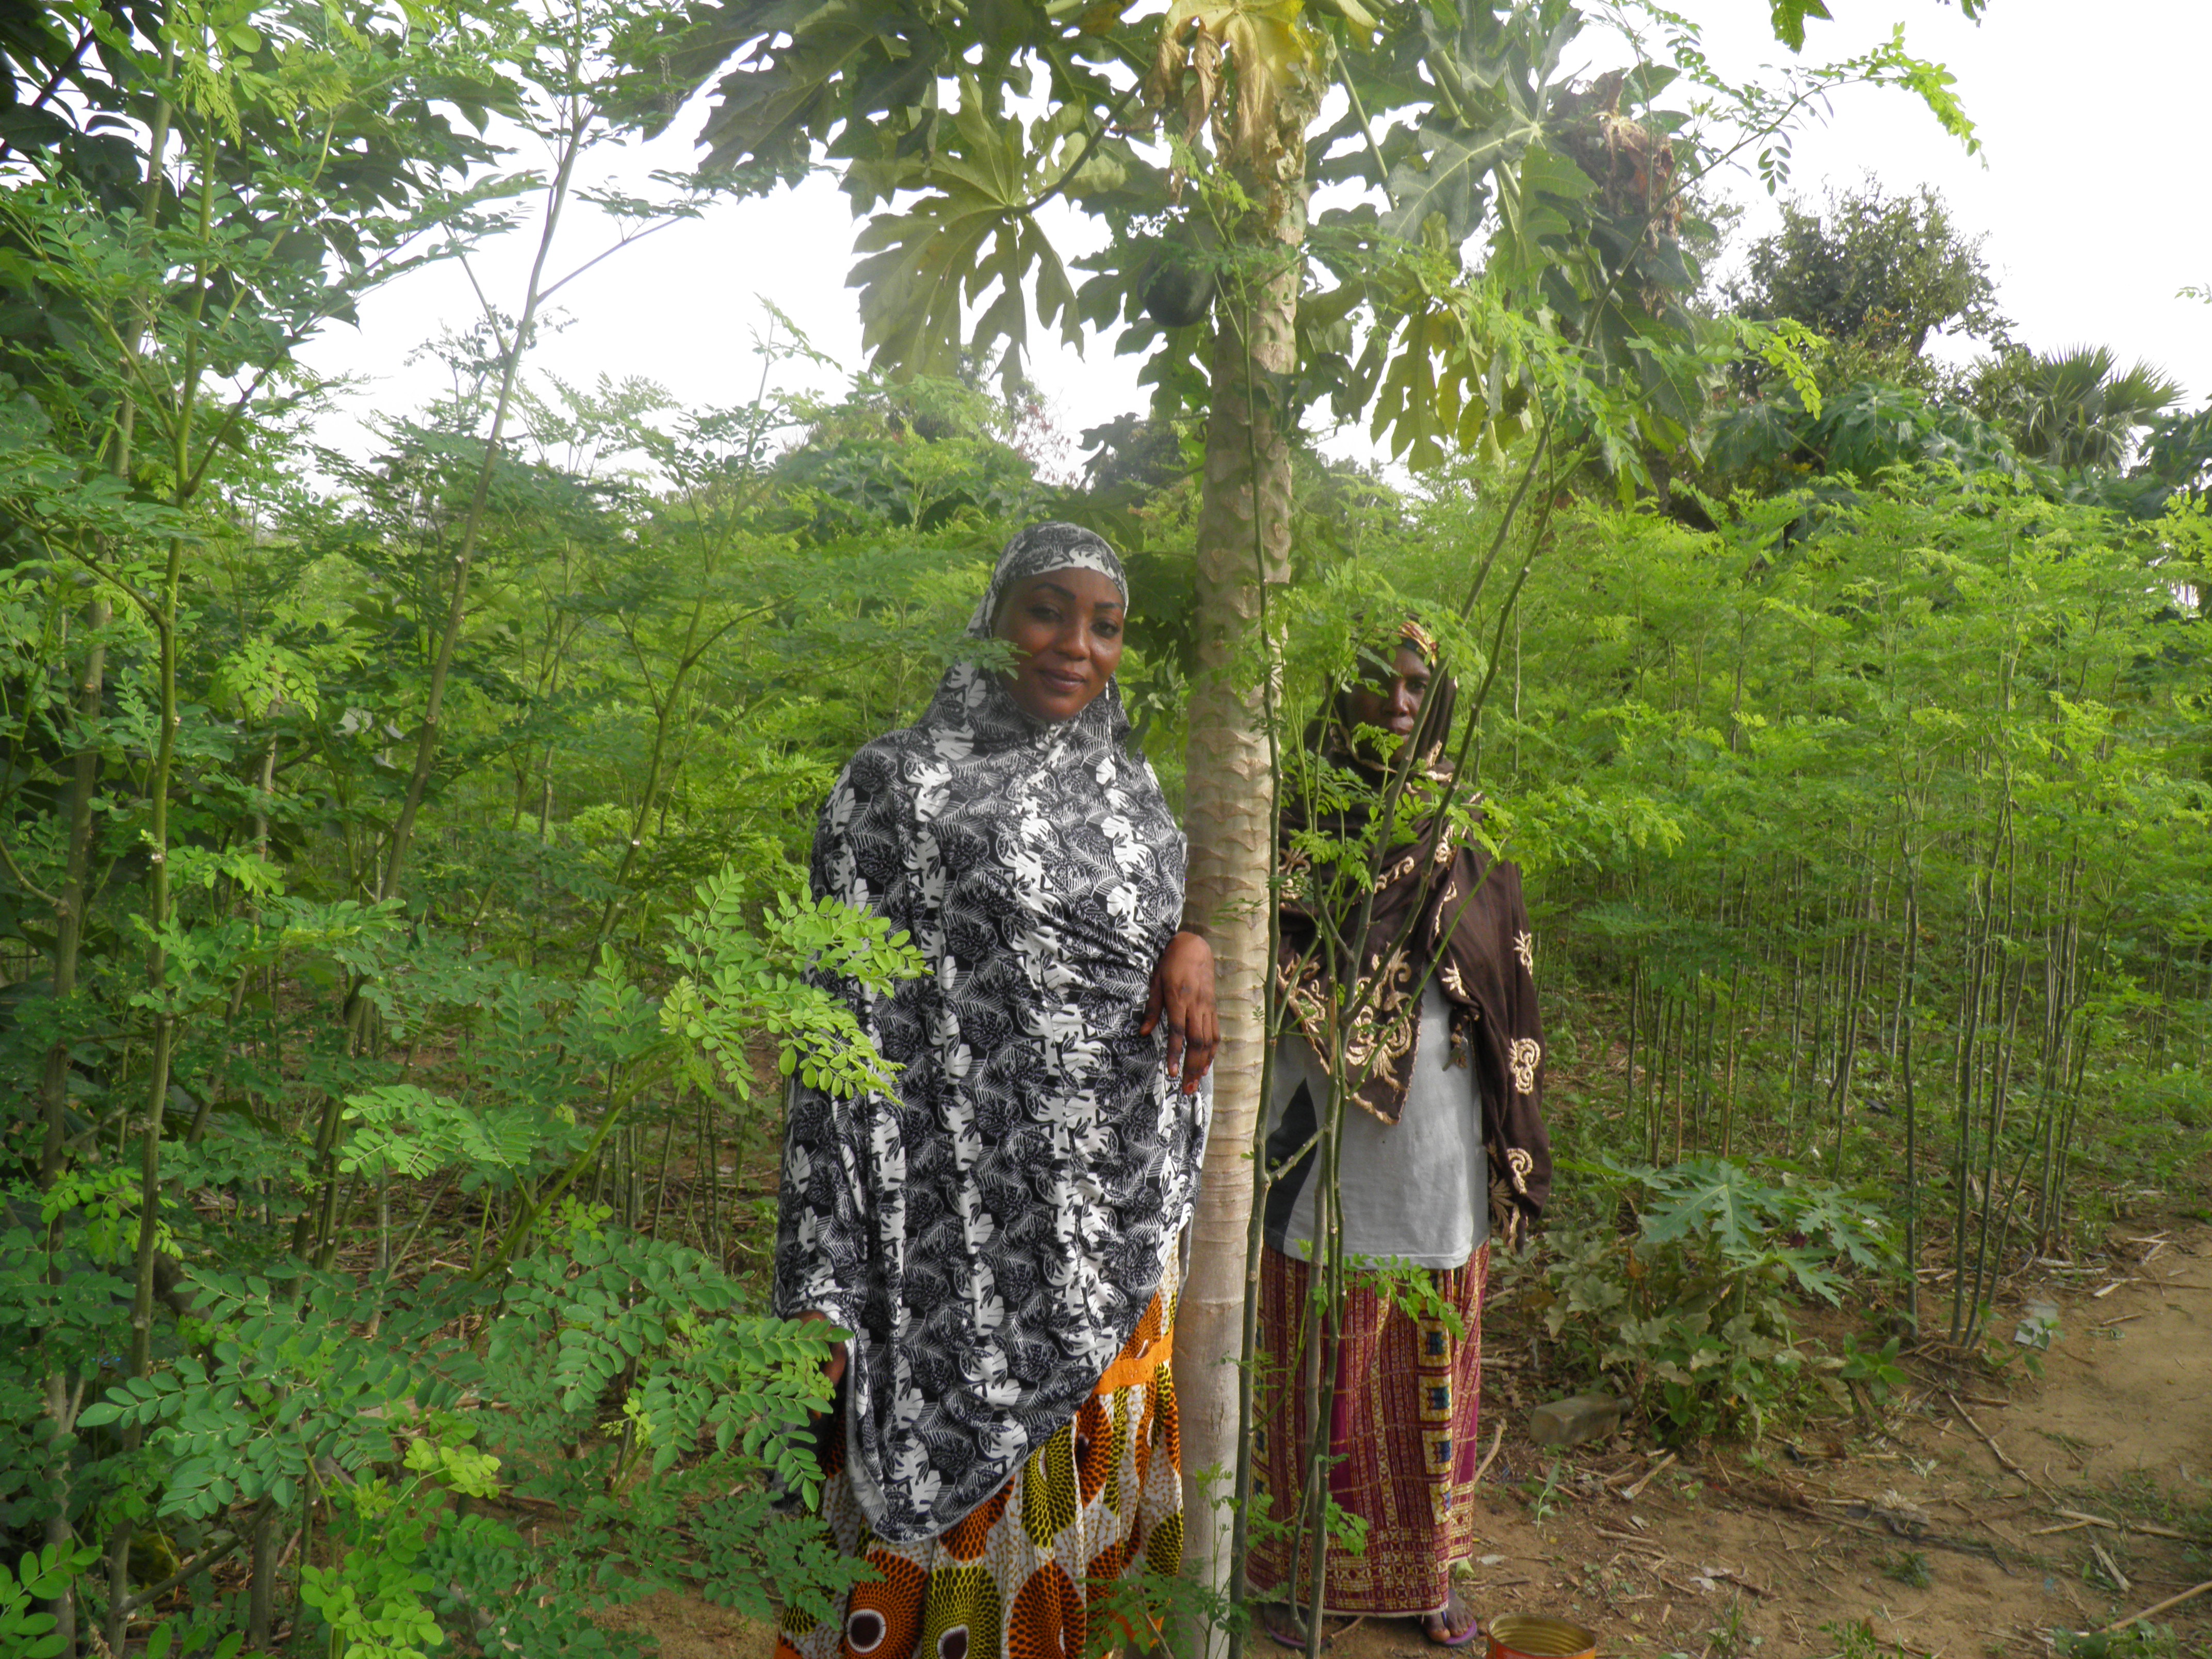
<point>1407,1290</point>
<point>1547,1492</point>
<point>408,1132</point>
<point>1909,1568</point>
<point>1690,1310</point>
<point>1857,433</point>
<point>737,983</point>
<point>1510,204</point>
<point>349,1066</point>
<point>626,1334</point>
<point>972,230</point>
<point>40,1576</point>
<point>2073,410</point>
<point>1876,276</point>
<point>384,1148</point>
<point>622,1380</point>
<point>2138,1640</point>
<point>1876,1370</point>
<point>372,1600</point>
<point>1733,1636</point>
<point>1932,676</point>
<point>1855,1639</point>
<point>2177,456</point>
<point>163,1640</point>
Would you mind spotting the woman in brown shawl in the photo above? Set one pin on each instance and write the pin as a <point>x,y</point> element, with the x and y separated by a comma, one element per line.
<point>1441,1148</point>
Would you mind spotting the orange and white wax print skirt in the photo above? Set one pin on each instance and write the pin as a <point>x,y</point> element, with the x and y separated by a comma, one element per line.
<point>1028,1573</point>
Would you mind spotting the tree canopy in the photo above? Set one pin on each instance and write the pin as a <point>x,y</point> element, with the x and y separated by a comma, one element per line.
<point>1876,276</point>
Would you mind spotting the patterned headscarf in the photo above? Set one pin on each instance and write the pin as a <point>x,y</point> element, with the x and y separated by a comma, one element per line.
<point>1040,548</point>
<point>991,1232</point>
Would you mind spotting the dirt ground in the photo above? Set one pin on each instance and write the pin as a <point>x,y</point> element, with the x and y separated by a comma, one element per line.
<point>1812,1548</point>
<point>1782,1551</point>
<point>687,1627</point>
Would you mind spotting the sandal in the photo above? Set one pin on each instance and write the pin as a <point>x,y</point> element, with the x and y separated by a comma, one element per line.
<point>1438,1627</point>
<point>1284,1628</point>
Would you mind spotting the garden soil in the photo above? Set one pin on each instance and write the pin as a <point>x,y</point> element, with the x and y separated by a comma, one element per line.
<point>1813,1546</point>
<point>1804,1548</point>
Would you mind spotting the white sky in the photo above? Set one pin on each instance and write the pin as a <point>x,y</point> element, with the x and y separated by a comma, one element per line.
<point>2090,126</point>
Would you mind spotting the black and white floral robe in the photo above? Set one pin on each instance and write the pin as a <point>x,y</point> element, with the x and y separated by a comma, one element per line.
<point>992,1233</point>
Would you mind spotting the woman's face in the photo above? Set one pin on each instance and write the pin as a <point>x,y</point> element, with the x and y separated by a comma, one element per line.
<point>1066,629</point>
<point>1391,701</point>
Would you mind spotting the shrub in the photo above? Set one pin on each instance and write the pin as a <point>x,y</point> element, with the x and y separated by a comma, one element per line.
<point>1687,1303</point>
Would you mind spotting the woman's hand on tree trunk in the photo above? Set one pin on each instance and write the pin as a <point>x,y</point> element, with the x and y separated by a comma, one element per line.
<point>1183,988</point>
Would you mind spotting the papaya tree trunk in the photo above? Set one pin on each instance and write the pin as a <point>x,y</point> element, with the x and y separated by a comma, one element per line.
<point>1243,538</point>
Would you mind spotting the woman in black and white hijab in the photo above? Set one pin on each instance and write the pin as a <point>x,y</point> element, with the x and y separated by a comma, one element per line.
<point>999,1235</point>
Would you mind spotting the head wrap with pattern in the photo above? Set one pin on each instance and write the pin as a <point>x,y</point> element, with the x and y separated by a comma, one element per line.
<point>1038,551</point>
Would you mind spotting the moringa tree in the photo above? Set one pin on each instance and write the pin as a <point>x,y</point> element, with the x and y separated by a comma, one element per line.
<point>1513,245</point>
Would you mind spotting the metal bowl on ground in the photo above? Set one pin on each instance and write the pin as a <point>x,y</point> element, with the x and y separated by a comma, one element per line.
<point>1532,1636</point>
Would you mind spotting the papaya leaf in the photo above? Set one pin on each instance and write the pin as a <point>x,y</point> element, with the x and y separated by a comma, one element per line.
<point>973,227</point>
<point>1452,181</point>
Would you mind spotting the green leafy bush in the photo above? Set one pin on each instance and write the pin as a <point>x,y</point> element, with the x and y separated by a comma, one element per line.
<point>39,1576</point>
<point>626,1383</point>
<point>1688,1305</point>
<point>623,1383</point>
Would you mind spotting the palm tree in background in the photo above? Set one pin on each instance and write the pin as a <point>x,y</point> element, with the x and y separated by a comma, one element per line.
<point>2073,410</point>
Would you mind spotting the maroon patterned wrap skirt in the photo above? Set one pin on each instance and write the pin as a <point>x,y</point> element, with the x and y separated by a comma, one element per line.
<point>1408,1394</point>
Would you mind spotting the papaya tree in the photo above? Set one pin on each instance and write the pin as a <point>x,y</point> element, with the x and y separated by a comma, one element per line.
<point>1516,246</point>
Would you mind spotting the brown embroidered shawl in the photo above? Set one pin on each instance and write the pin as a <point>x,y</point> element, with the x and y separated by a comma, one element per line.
<point>1470,927</point>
